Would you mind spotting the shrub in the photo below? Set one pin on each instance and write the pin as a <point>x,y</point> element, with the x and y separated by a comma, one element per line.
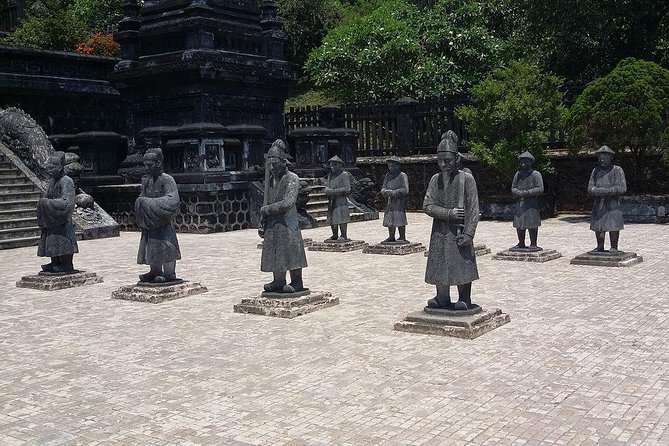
<point>626,109</point>
<point>515,109</point>
<point>101,45</point>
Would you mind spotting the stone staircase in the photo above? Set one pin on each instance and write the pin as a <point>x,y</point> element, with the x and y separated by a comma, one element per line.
<point>18,207</point>
<point>317,206</point>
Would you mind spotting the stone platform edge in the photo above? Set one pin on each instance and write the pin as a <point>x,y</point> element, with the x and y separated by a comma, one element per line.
<point>60,282</point>
<point>286,307</point>
<point>158,294</point>
<point>463,327</point>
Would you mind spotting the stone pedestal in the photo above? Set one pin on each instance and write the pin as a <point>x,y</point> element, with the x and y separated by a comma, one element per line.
<point>466,325</point>
<point>528,255</point>
<point>607,258</point>
<point>286,305</point>
<point>337,245</point>
<point>394,248</point>
<point>307,243</point>
<point>479,250</point>
<point>58,281</point>
<point>156,293</point>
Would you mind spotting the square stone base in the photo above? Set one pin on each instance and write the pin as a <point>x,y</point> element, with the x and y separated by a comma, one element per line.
<point>337,246</point>
<point>58,281</point>
<point>307,243</point>
<point>607,259</point>
<point>157,293</point>
<point>398,249</point>
<point>528,256</point>
<point>286,305</point>
<point>465,327</point>
<point>479,250</point>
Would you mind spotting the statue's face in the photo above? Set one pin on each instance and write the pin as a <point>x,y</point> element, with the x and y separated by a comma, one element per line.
<point>152,166</point>
<point>525,164</point>
<point>447,161</point>
<point>276,165</point>
<point>604,159</point>
<point>393,167</point>
<point>53,166</point>
<point>336,166</point>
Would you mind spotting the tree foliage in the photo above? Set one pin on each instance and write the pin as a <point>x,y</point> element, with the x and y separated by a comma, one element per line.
<point>62,24</point>
<point>626,109</point>
<point>400,50</point>
<point>515,109</point>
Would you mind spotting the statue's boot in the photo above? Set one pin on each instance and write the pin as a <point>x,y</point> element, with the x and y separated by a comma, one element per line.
<point>391,235</point>
<point>403,233</point>
<point>442,299</point>
<point>614,236</point>
<point>48,268</point>
<point>534,233</point>
<point>464,297</point>
<point>334,232</point>
<point>296,283</point>
<point>276,285</point>
<point>343,228</point>
<point>64,265</point>
<point>151,275</point>
<point>600,241</point>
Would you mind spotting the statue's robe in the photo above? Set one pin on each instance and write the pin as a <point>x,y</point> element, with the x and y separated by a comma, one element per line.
<point>340,184</point>
<point>283,247</point>
<point>448,263</point>
<point>395,212</point>
<point>527,206</point>
<point>606,186</point>
<point>54,216</point>
<point>157,204</point>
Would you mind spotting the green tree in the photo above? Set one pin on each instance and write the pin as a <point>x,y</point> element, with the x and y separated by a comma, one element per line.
<point>515,109</point>
<point>61,24</point>
<point>628,109</point>
<point>400,49</point>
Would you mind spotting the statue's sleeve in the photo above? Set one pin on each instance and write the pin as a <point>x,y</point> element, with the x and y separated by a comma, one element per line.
<point>471,206</point>
<point>621,185</point>
<point>404,190</point>
<point>538,188</point>
<point>154,213</point>
<point>52,212</point>
<point>345,184</point>
<point>429,203</point>
<point>592,189</point>
<point>284,205</point>
<point>385,183</point>
<point>514,186</point>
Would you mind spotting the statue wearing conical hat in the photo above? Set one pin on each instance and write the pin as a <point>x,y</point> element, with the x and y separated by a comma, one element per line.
<point>527,186</point>
<point>452,201</point>
<point>395,189</point>
<point>606,185</point>
<point>337,189</point>
<point>283,247</point>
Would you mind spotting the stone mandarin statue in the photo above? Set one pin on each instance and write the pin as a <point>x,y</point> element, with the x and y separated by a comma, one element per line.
<point>283,247</point>
<point>54,216</point>
<point>158,203</point>
<point>452,201</point>
<point>607,184</point>
<point>337,189</point>
<point>527,186</point>
<point>395,189</point>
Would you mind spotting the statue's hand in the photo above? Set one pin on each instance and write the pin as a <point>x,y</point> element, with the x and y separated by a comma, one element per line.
<point>264,211</point>
<point>457,214</point>
<point>463,240</point>
<point>327,191</point>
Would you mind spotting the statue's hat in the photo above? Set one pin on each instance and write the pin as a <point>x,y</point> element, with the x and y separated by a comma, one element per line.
<point>277,150</point>
<point>527,155</point>
<point>394,159</point>
<point>449,143</point>
<point>336,159</point>
<point>605,149</point>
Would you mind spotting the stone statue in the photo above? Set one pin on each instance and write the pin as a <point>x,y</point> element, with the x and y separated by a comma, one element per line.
<point>452,201</point>
<point>395,189</point>
<point>607,184</point>
<point>527,186</point>
<point>157,204</point>
<point>54,216</point>
<point>337,188</point>
<point>283,247</point>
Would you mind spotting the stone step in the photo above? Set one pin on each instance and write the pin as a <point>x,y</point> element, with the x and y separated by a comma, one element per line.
<point>19,223</point>
<point>14,205</point>
<point>19,242</point>
<point>8,188</point>
<point>16,196</point>
<point>324,210</point>
<point>14,180</point>
<point>6,165</point>
<point>355,216</point>
<point>13,214</point>
<point>12,233</point>
<point>12,172</point>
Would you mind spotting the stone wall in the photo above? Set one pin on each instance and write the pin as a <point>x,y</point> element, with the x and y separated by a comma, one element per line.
<point>565,188</point>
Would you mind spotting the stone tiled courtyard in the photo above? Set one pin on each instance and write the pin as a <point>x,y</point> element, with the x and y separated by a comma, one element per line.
<point>584,360</point>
